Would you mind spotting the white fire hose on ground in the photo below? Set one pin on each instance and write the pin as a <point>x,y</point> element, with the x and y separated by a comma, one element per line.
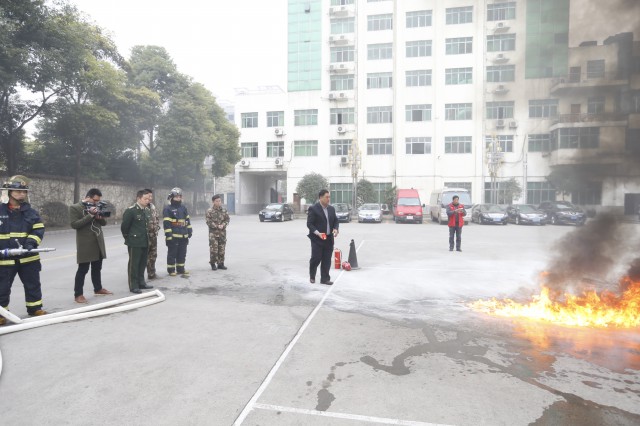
<point>100,309</point>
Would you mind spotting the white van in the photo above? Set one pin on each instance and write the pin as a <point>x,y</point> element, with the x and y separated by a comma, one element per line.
<point>441,198</point>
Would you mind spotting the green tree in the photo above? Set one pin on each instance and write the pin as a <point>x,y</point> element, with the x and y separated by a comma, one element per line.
<point>310,185</point>
<point>567,180</point>
<point>389,196</point>
<point>366,193</point>
<point>511,189</point>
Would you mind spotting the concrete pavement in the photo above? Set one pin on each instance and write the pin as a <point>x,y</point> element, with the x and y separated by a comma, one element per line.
<point>391,343</point>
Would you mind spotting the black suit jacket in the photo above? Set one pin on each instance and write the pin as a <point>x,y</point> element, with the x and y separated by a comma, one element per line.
<point>316,220</point>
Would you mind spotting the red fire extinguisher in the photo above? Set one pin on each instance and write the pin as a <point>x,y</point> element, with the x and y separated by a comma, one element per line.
<point>337,258</point>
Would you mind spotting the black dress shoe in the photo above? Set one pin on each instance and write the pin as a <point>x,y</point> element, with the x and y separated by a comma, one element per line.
<point>458,249</point>
<point>146,287</point>
<point>312,280</point>
<point>221,266</point>
<point>136,291</point>
<point>214,267</point>
<point>326,282</point>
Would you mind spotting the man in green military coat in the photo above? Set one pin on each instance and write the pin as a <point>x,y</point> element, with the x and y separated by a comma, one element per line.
<point>135,222</point>
<point>86,219</point>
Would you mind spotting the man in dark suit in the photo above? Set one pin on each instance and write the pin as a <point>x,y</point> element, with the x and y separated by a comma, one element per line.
<point>323,228</point>
<point>134,227</point>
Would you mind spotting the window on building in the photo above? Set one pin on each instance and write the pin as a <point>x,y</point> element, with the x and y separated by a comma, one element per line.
<point>249,149</point>
<point>595,69</point>
<point>305,117</point>
<point>595,105</point>
<point>459,15</point>
<point>380,80</point>
<point>501,11</point>
<point>341,192</point>
<point>305,148</point>
<point>543,108</point>
<point>537,192</point>
<point>457,112</point>
<point>342,54</point>
<point>380,22</point>
<point>417,78</point>
<point>501,73</point>
<point>275,149</point>
<point>420,112</point>
<point>275,118</point>
<point>418,145</point>
<point>503,142</point>
<point>379,190</point>
<point>501,42</point>
<point>500,110</point>
<point>632,142</point>
<point>341,82</point>
<point>457,145</point>
<point>342,25</point>
<point>342,115</point>
<point>458,76</point>
<point>419,18</point>
<point>249,119</point>
<point>590,195</point>
<point>503,193</point>
<point>459,45</point>
<point>539,143</point>
<point>341,2</point>
<point>376,1</point>
<point>379,146</point>
<point>379,51</point>
<point>576,138</point>
<point>463,185</point>
<point>339,147</point>
<point>379,114</point>
<point>418,48</point>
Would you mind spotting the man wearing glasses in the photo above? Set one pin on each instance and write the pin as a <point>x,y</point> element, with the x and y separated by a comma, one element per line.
<point>86,219</point>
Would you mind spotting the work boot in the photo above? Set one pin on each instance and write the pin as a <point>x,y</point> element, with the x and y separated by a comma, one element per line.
<point>152,276</point>
<point>81,299</point>
<point>185,274</point>
<point>221,266</point>
<point>214,267</point>
<point>172,274</point>
<point>38,313</point>
<point>2,321</point>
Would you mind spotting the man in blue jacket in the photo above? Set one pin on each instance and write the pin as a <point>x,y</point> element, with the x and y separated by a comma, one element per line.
<point>323,228</point>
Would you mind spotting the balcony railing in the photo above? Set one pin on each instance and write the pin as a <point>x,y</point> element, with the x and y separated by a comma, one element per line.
<point>588,79</point>
<point>589,118</point>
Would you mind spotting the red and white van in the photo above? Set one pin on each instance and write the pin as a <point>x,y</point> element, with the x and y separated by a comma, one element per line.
<point>407,206</point>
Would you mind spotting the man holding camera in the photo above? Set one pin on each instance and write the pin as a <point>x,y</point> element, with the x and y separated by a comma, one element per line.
<point>87,218</point>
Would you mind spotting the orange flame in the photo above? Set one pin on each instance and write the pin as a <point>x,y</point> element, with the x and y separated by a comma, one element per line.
<point>591,309</point>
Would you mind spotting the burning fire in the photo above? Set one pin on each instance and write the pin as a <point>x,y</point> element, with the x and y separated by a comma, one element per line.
<point>591,309</point>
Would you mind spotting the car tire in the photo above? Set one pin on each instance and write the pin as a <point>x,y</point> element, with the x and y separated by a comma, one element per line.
<point>261,219</point>
<point>517,220</point>
<point>281,219</point>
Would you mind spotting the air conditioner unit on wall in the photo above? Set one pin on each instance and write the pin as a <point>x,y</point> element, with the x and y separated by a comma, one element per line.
<point>278,132</point>
<point>332,96</point>
<point>513,124</point>
<point>344,161</point>
<point>499,124</point>
<point>279,161</point>
<point>341,129</point>
<point>244,162</point>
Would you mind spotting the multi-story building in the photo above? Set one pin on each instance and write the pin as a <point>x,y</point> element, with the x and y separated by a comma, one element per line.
<point>424,94</point>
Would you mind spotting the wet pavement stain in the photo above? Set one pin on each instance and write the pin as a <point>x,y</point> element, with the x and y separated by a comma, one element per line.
<point>325,398</point>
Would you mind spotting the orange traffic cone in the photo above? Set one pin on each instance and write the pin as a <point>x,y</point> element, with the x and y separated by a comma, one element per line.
<point>353,257</point>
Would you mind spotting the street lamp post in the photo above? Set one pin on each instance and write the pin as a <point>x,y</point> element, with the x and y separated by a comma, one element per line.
<point>494,160</point>
<point>354,160</point>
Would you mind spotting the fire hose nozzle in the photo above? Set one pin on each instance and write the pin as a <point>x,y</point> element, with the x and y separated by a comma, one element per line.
<point>21,251</point>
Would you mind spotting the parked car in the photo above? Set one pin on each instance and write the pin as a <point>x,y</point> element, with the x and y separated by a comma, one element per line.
<point>385,208</point>
<point>522,214</point>
<point>343,212</point>
<point>489,213</point>
<point>563,212</point>
<point>441,198</point>
<point>370,212</point>
<point>407,206</point>
<point>276,212</point>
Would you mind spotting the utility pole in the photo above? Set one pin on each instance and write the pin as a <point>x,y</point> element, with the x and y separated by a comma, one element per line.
<point>354,160</point>
<point>494,160</point>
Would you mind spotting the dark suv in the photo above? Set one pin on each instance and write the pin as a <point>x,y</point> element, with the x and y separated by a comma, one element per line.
<point>563,212</point>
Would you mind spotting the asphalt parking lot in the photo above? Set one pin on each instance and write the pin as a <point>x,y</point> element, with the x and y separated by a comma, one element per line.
<point>394,342</point>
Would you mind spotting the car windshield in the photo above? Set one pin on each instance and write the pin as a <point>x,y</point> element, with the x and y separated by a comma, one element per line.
<point>492,208</point>
<point>341,207</point>
<point>527,209</point>
<point>409,201</point>
<point>447,198</point>
<point>565,206</point>
<point>370,207</point>
<point>273,207</point>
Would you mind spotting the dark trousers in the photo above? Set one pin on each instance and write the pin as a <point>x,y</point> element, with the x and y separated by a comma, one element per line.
<point>29,274</point>
<point>137,263</point>
<point>176,254</point>
<point>96,276</point>
<point>321,252</point>
<point>457,231</point>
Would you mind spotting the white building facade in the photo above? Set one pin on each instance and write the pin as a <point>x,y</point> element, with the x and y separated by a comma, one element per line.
<point>425,94</point>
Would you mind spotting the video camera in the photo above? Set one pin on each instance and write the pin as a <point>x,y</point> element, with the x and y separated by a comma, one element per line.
<point>100,206</point>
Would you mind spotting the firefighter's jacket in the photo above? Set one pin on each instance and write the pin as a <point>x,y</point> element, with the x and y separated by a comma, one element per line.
<point>24,225</point>
<point>176,222</point>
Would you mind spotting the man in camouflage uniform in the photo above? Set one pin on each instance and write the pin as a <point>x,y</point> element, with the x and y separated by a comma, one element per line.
<point>217,220</point>
<point>152,230</point>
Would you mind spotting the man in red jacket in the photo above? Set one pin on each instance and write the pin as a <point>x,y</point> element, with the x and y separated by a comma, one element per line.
<point>456,214</point>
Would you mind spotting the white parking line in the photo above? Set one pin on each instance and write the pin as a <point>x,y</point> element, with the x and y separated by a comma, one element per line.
<point>250,405</point>
<point>368,419</point>
<point>432,269</point>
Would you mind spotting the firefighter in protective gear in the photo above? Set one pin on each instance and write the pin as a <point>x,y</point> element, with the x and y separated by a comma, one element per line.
<point>177,231</point>
<point>20,225</point>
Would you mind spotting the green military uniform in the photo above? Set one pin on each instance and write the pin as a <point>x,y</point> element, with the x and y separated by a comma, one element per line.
<point>217,237</point>
<point>135,223</point>
<point>154,227</point>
